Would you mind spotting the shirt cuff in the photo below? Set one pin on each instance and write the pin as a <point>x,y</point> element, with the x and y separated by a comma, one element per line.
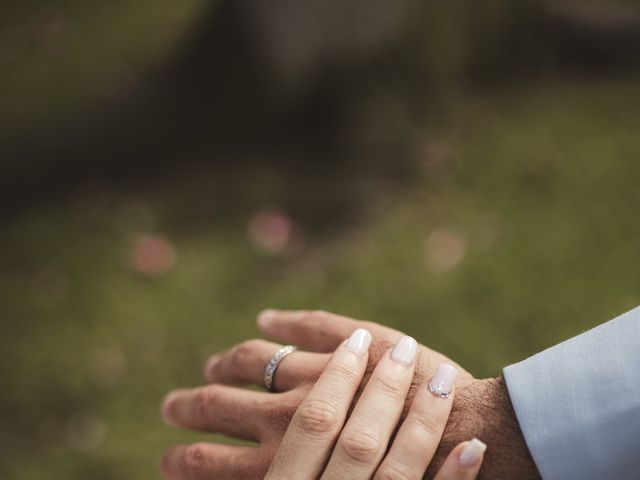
<point>578,403</point>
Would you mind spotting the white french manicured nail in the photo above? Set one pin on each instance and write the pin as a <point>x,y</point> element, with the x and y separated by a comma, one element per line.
<point>442,382</point>
<point>359,341</point>
<point>472,453</point>
<point>405,351</point>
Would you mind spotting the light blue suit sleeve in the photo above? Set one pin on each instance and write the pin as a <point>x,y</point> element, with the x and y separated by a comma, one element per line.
<point>578,403</point>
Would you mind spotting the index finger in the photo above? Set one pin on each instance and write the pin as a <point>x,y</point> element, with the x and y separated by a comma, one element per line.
<point>316,330</point>
<point>309,440</point>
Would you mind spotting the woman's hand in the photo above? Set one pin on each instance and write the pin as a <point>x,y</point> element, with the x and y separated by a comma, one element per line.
<point>319,444</point>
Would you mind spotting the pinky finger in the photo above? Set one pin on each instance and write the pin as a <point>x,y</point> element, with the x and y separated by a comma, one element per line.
<point>464,461</point>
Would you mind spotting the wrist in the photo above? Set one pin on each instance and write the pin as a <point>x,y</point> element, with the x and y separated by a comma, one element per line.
<point>482,409</point>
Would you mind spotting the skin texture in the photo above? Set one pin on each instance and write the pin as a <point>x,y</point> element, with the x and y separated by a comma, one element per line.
<point>481,408</point>
<point>315,447</point>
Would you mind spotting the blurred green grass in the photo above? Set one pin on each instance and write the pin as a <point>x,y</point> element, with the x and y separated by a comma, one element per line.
<point>521,230</point>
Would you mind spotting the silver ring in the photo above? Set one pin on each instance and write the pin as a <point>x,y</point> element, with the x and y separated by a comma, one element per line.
<point>272,365</point>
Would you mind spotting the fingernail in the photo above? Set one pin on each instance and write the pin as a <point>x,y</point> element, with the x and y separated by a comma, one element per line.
<point>265,317</point>
<point>442,382</point>
<point>166,409</point>
<point>359,341</point>
<point>472,453</point>
<point>405,351</point>
<point>211,363</point>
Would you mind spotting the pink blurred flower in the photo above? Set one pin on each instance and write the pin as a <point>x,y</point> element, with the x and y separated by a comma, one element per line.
<point>270,231</point>
<point>444,250</point>
<point>153,255</point>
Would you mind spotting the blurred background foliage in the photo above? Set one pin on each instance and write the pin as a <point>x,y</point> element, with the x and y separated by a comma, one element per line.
<point>464,172</point>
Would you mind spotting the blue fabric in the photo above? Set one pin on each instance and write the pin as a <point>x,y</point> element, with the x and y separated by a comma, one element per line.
<point>578,403</point>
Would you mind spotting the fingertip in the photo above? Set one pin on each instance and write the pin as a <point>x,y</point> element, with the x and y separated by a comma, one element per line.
<point>170,461</point>
<point>443,381</point>
<point>210,366</point>
<point>464,461</point>
<point>404,351</point>
<point>472,453</point>
<point>359,341</point>
<point>265,318</point>
<point>168,407</point>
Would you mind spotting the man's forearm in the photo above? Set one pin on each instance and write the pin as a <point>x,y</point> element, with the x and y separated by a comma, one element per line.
<point>483,409</point>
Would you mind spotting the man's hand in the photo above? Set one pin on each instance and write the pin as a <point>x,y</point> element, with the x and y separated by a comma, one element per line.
<point>481,408</point>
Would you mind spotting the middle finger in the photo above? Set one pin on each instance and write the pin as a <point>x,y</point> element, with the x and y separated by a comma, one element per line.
<point>366,435</point>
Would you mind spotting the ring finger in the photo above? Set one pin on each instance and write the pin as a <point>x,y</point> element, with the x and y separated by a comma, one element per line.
<point>420,433</point>
<point>244,365</point>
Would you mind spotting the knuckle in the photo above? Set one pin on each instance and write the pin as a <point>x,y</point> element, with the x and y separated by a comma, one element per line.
<point>426,424</point>
<point>360,446</point>
<point>242,354</point>
<point>395,471</point>
<point>318,417</point>
<point>194,462</point>
<point>343,374</point>
<point>203,402</point>
<point>389,388</point>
